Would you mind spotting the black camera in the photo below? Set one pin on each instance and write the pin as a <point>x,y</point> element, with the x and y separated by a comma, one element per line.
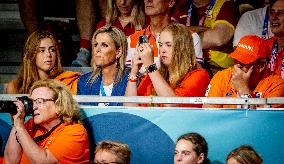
<point>143,39</point>
<point>10,107</point>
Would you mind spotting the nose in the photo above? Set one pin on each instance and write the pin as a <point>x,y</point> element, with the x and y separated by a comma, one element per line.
<point>178,157</point>
<point>122,2</point>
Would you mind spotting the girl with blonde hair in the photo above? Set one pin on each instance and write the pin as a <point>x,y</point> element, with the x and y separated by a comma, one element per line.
<point>178,74</point>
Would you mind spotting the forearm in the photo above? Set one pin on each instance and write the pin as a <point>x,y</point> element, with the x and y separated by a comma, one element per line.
<point>217,37</point>
<point>160,85</point>
<point>131,88</point>
<point>13,150</point>
<point>33,152</point>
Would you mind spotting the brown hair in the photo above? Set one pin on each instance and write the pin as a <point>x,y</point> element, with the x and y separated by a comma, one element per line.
<point>121,150</point>
<point>28,72</point>
<point>245,154</point>
<point>199,143</point>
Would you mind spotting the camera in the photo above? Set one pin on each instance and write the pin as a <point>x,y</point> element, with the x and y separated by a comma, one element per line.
<point>10,107</point>
<point>143,39</point>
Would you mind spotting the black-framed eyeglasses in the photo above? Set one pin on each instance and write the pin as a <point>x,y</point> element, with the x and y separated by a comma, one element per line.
<point>40,101</point>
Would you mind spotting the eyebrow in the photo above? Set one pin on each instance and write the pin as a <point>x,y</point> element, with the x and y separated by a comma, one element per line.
<point>47,47</point>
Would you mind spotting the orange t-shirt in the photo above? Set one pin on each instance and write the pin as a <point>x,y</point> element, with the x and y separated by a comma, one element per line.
<point>68,142</point>
<point>194,84</point>
<point>221,86</point>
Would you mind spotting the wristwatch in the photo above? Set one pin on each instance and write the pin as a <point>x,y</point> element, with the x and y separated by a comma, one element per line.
<point>151,68</point>
<point>246,96</point>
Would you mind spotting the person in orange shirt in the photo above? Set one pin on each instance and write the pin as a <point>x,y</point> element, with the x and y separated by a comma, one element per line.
<point>41,60</point>
<point>247,78</point>
<point>178,74</point>
<point>53,134</point>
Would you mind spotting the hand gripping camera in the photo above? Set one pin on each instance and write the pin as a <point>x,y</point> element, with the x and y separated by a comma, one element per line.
<point>10,107</point>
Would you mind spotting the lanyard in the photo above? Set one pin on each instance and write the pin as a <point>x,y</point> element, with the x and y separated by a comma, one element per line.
<point>273,55</point>
<point>273,61</point>
<point>207,13</point>
<point>265,35</point>
<point>45,135</point>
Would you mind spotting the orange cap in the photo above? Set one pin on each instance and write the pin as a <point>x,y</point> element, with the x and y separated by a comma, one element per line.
<point>250,48</point>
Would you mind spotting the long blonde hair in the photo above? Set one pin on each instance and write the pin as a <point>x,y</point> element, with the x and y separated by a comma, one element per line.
<point>120,42</point>
<point>137,13</point>
<point>68,108</point>
<point>183,55</point>
<point>28,72</point>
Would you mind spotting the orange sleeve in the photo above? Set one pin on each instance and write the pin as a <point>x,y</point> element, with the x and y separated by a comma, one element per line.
<point>273,87</point>
<point>194,84</point>
<point>72,145</point>
<point>216,86</point>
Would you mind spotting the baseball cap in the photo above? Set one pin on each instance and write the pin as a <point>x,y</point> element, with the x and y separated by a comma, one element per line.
<point>250,48</point>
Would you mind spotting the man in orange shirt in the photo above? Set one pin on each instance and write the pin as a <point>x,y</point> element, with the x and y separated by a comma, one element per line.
<point>247,78</point>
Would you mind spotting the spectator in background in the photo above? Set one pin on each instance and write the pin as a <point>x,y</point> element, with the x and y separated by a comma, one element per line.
<point>86,12</point>
<point>276,43</point>
<point>247,78</point>
<point>109,77</point>
<point>127,15</point>
<point>178,74</point>
<point>41,61</point>
<point>191,148</point>
<point>53,134</point>
<point>254,22</point>
<point>214,21</point>
<point>245,154</point>
<point>159,13</point>
<point>112,152</point>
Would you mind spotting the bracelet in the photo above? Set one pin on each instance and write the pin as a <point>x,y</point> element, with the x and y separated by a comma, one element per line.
<point>132,78</point>
<point>17,137</point>
<point>151,68</point>
<point>246,96</point>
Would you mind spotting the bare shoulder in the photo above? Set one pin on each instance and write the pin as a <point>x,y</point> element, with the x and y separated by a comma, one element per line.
<point>11,87</point>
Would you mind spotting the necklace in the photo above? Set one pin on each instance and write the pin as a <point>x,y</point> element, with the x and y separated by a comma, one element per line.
<point>124,20</point>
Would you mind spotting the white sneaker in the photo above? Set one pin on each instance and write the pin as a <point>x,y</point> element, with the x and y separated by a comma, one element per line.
<point>83,58</point>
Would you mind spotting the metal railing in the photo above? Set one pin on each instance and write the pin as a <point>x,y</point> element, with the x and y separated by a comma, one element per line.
<point>266,102</point>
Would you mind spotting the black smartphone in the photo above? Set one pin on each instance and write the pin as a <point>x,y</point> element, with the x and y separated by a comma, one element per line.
<point>143,39</point>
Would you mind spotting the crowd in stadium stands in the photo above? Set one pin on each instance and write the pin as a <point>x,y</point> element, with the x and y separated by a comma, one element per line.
<point>186,48</point>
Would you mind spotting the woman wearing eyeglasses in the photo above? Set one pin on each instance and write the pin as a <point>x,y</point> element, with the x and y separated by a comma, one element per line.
<point>54,134</point>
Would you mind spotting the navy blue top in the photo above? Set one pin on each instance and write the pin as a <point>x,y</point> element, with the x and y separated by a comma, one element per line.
<point>86,87</point>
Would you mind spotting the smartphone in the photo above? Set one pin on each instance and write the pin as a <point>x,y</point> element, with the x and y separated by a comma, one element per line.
<point>143,39</point>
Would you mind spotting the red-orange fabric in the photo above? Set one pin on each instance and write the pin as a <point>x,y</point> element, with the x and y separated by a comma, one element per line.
<point>68,142</point>
<point>194,84</point>
<point>221,86</point>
